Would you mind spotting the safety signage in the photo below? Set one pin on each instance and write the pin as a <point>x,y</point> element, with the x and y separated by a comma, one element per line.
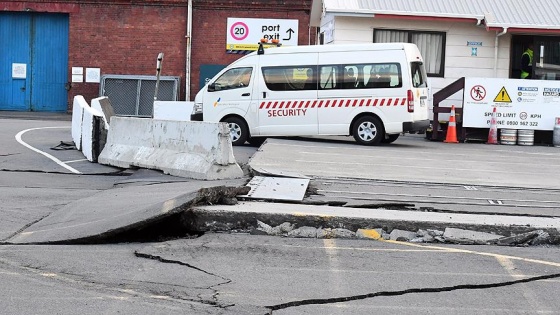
<point>520,104</point>
<point>503,96</point>
<point>245,33</point>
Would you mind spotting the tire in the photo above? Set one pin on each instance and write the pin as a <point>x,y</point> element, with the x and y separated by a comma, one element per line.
<point>368,130</point>
<point>390,138</point>
<point>238,130</point>
<point>256,141</point>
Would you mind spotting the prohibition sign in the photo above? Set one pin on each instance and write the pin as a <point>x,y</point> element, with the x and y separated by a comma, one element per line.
<point>478,93</point>
<point>239,31</point>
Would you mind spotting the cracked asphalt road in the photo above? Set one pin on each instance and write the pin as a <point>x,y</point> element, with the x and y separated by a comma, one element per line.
<point>239,273</point>
<point>248,274</point>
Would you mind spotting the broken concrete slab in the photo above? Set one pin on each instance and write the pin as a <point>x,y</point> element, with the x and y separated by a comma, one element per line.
<point>461,236</point>
<point>400,235</point>
<point>119,210</point>
<point>243,216</point>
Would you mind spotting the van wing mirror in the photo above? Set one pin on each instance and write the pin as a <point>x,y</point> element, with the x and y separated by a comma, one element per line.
<point>211,87</point>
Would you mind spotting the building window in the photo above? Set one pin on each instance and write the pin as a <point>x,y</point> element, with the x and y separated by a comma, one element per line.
<point>431,45</point>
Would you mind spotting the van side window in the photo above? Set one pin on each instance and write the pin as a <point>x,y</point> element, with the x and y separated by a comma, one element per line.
<point>387,75</point>
<point>360,76</point>
<point>328,78</point>
<point>232,79</point>
<point>293,78</point>
<point>418,75</point>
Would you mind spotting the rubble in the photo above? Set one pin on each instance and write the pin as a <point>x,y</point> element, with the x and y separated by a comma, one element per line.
<point>450,235</point>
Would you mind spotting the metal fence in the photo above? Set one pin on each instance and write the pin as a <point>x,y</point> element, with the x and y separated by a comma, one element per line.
<point>133,95</point>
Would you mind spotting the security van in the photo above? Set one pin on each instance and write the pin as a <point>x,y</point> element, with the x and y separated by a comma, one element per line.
<point>373,92</point>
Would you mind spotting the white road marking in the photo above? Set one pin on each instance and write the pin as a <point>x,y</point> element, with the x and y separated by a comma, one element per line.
<point>57,161</point>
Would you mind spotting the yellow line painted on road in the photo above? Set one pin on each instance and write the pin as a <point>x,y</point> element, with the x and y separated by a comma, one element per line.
<point>465,251</point>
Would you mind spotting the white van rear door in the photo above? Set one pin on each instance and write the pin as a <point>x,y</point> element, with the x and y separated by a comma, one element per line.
<point>420,91</point>
<point>287,95</point>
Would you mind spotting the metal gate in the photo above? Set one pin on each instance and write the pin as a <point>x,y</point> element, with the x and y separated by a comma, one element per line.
<point>34,64</point>
<point>134,95</point>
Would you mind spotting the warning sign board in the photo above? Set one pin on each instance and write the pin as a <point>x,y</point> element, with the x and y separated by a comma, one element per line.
<point>503,96</point>
<point>519,104</point>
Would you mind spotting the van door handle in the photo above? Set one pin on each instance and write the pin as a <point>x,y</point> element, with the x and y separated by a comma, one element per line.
<point>246,94</point>
<point>264,94</point>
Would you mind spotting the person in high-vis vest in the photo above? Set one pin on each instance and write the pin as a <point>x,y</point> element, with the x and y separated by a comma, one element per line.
<point>527,63</point>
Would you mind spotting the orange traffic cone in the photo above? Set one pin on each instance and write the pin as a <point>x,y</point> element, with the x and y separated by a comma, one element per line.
<point>451,136</point>
<point>493,133</point>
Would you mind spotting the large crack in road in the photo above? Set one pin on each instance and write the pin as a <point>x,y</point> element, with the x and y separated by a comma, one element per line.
<point>407,291</point>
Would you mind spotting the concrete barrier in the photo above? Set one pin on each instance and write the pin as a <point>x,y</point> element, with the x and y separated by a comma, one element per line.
<point>93,131</point>
<point>77,116</point>
<point>198,150</point>
<point>88,129</point>
<point>103,105</point>
<point>173,110</point>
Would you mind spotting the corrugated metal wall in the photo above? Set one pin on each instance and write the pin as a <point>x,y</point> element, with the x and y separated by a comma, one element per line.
<point>40,41</point>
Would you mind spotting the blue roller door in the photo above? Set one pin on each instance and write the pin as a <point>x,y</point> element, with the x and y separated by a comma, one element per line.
<point>38,43</point>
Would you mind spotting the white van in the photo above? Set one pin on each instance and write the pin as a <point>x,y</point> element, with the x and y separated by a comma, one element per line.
<point>373,92</point>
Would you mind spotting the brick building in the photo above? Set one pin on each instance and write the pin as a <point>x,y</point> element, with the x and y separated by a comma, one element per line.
<point>43,42</point>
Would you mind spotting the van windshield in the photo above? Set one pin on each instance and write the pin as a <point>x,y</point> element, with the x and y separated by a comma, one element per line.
<point>232,79</point>
<point>419,78</point>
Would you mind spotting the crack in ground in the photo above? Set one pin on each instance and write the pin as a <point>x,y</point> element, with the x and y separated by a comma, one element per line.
<point>23,229</point>
<point>115,173</point>
<point>178,262</point>
<point>408,291</point>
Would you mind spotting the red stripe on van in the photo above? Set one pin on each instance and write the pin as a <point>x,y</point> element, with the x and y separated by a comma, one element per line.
<point>288,104</point>
<point>382,102</point>
<point>396,102</point>
<point>261,106</point>
<point>348,103</point>
<point>355,102</point>
<point>362,102</point>
<point>294,105</point>
<point>307,104</point>
<point>389,102</point>
<point>327,103</point>
<point>368,102</point>
<point>375,102</point>
<point>403,102</point>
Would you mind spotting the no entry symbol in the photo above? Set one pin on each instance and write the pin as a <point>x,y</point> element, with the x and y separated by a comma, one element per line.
<point>478,93</point>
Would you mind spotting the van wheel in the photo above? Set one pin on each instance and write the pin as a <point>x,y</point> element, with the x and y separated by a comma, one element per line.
<point>368,130</point>
<point>238,130</point>
<point>390,138</point>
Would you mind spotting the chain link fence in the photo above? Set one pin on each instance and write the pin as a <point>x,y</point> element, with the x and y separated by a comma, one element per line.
<point>133,95</point>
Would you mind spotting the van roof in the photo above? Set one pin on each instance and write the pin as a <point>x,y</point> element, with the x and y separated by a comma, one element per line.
<point>411,50</point>
<point>339,48</point>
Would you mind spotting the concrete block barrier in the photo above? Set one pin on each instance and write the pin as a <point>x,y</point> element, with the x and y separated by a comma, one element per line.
<point>198,150</point>
<point>89,126</point>
<point>92,131</point>
<point>77,116</point>
<point>104,106</point>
